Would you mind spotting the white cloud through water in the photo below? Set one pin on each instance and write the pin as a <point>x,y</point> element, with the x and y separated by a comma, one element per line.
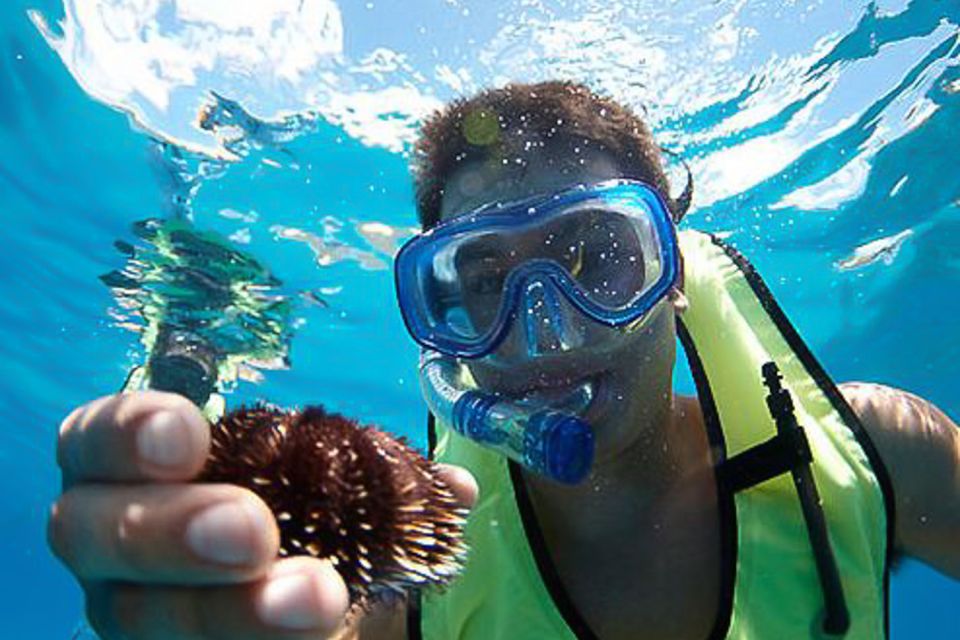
<point>158,60</point>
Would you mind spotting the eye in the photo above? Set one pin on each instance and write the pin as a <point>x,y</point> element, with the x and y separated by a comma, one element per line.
<point>611,262</point>
<point>484,277</point>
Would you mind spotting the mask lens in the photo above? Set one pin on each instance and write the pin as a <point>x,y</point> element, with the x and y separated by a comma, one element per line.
<point>466,283</point>
<point>613,255</point>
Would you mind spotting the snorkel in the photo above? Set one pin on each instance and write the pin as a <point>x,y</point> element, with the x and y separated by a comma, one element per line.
<point>551,441</point>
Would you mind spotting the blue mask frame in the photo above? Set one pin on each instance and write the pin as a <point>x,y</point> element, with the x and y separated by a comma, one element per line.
<point>421,249</point>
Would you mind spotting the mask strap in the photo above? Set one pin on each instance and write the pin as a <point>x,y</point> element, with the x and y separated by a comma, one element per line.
<point>681,204</point>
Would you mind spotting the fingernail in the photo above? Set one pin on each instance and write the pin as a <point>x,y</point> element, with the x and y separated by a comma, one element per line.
<point>291,602</point>
<point>163,440</point>
<point>227,533</point>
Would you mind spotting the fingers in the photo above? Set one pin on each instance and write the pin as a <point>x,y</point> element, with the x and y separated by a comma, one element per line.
<point>133,437</point>
<point>165,533</point>
<point>300,599</point>
<point>461,483</point>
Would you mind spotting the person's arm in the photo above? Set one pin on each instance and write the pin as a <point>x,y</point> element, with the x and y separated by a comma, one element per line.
<point>920,446</point>
<point>160,556</point>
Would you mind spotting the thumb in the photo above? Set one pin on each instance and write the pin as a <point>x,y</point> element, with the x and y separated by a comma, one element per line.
<point>461,483</point>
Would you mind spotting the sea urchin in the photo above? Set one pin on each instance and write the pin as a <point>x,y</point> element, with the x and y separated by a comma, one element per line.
<point>357,496</point>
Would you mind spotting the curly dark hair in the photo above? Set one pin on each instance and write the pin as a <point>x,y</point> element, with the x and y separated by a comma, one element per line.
<point>494,123</point>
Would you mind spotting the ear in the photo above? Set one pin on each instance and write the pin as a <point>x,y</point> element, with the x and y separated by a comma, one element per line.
<point>678,300</point>
<point>675,295</point>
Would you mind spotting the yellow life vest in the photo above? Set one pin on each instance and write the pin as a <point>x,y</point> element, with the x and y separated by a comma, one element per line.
<point>776,575</point>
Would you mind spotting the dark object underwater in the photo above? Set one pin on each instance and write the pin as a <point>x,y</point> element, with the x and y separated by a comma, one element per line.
<point>354,495</point>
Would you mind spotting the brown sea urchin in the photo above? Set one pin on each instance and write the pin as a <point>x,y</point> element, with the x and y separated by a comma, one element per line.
<point>357,496</point>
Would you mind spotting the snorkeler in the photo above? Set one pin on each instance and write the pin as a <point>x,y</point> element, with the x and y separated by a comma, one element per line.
<point>547,292</point>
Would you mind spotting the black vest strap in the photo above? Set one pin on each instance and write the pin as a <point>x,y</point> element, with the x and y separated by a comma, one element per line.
<point>789,452</point>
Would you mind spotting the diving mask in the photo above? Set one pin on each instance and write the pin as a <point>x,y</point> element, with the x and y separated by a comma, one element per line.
<point>553,265</point>
<point>607,251</point>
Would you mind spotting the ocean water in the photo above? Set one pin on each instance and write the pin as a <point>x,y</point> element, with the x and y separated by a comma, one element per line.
<point>823,137</point>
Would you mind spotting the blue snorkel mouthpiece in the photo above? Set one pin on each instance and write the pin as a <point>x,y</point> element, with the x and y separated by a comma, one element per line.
<point>553,442</point>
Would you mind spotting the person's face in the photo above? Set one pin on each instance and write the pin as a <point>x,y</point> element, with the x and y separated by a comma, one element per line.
<point>617,362</point>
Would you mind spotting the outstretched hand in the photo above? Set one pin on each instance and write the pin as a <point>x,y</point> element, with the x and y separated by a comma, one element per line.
<point>161,557</point>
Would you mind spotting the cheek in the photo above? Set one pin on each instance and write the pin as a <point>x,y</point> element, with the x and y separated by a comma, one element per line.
<point>655,340</point>
<point>488,378</point>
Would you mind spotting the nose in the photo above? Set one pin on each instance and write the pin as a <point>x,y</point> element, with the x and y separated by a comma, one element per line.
<point>550,324</point>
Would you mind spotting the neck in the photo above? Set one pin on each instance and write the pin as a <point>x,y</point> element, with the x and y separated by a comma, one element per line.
<point>637,484</point>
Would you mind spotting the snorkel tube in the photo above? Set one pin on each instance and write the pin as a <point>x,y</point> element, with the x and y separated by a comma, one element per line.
<point>551,441</point>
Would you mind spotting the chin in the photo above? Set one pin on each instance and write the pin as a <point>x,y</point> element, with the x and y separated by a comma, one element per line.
<point>612,436</point>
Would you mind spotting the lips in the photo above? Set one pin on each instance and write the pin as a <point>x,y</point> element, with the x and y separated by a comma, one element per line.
<point>562,394</point>
<point>549,395</point>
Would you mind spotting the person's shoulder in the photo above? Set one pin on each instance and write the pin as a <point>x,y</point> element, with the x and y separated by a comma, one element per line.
<point>890,413</point>
<point>908,431</point>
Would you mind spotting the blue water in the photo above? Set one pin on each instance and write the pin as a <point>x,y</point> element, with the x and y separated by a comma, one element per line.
<point>812,128</point>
